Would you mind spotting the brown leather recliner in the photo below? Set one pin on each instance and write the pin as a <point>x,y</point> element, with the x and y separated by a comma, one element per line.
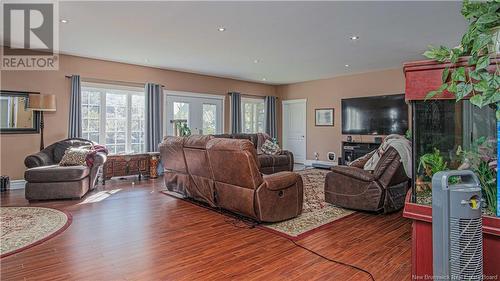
<point>268,164</point>
<point>382,190</point>
<point>225,173</point>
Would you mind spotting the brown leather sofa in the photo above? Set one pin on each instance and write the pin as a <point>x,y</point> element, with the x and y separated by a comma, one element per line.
<point>46,180</point>
<point>382,190</point>
<point>269,164</point>
<point>225,173</point>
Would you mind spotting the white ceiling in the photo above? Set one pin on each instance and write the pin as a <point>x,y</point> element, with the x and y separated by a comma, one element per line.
<point>293,41</point>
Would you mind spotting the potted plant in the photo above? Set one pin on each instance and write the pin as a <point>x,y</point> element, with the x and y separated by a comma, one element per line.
<point>476,80</point>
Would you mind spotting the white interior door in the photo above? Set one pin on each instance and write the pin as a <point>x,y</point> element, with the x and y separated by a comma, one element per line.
<point>203,114</point>
<point>294,128</point>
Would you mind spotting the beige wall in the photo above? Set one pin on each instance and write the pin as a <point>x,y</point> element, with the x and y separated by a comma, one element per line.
<point>328,93</point>
<point>14,148</point>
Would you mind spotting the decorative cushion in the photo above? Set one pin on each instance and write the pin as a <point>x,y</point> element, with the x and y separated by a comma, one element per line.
<point>270,148</point>
<point>361,161</point>
<point>261,139</point>
<point>75,156</point>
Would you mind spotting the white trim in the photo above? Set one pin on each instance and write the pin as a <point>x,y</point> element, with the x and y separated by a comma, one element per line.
<point>295,101</point>
<point>194,95</point>
<point>283,128</point>
<point>191,95</point>
<point>17,184</point>
<point>112,87</point>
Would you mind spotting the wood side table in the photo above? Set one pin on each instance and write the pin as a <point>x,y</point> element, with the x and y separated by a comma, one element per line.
<point>120,165</point>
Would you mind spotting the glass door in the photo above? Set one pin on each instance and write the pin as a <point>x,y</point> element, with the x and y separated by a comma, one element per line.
<point>202,115</point>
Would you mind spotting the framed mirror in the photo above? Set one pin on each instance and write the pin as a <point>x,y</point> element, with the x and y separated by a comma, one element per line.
<point>15,117</point>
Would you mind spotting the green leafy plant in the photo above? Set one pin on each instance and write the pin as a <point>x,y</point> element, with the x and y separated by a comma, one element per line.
<point>475,79</point>
<point>183,129</point>
<point>432,163</point>
<point>481,160</point>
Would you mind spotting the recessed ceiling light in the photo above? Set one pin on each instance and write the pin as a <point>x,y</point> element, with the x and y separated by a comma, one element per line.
<point>256,61</point>
<point>64,21</point>
<point>221,29</point>
<point>354,38</point>
<point>346,65</point>
<point>264,79</point>
<point>146,60</point>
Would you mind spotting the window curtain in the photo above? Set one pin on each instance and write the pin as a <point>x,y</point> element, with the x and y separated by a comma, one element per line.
<point>236,121</point>
<point>153,116</point>
<point>75,108</point>
<point>271,123</point>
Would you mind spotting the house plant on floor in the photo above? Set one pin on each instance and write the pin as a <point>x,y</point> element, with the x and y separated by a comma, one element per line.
<point>477,80</point>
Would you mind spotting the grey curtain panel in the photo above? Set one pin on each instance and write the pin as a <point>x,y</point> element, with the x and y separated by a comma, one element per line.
<point>271,122</point>
<point>75,108</point>
<point>153,116</point>
<point>236,122</point>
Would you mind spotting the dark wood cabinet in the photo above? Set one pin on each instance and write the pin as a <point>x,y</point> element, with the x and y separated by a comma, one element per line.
<point>120,165</point>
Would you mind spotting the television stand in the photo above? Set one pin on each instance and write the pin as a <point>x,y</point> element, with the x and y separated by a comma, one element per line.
<point>353,150</point>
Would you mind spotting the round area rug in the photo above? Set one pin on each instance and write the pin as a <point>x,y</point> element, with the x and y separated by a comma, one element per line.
<point>25,227</point>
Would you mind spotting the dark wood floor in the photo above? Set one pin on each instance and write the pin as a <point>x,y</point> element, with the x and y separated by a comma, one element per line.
<point>131,232</point>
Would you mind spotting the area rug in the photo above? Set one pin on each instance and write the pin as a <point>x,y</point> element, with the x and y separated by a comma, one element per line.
<point>24,227</point>
<point>316,212</point>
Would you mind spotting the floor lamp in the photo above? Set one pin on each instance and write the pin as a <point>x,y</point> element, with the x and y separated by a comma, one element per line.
<point>42,103</point>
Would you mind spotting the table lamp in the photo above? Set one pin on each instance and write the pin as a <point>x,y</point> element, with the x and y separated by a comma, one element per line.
<point>42,103</point>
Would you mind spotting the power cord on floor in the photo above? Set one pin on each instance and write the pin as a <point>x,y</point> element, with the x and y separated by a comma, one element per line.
<point>246,223</point>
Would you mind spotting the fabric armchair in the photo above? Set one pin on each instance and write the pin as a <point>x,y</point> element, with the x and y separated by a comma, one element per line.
<point>47,180</point>
<point>382,190</point>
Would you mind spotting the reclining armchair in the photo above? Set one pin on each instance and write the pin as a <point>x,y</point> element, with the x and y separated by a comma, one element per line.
<point>382,190</point>
<point>225,173</point>
<point>46,180</point>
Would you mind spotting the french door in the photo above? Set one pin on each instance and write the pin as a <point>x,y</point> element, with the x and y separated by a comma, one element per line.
<point>203,114</point>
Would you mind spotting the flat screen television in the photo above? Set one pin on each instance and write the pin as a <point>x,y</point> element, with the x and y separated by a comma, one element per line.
<point>377,115</point>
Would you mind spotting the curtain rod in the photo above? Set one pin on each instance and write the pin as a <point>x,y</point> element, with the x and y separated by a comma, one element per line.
<point>247,95</point>
<point>104,81</point>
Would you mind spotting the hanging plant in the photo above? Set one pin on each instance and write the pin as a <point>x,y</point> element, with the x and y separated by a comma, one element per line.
<point>480,43</point>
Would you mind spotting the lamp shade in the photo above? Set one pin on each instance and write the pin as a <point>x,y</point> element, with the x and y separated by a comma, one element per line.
<point>42,102</point>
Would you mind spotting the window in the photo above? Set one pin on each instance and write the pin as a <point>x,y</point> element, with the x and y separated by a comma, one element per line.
<point>114,116</point>
<point>209,119</point>
<point>252,111</point>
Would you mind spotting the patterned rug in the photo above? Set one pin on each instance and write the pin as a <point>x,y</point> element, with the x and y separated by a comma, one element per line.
<point>25,227</point>
<point>316,212</point>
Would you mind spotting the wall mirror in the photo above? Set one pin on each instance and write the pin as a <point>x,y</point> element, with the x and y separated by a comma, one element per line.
<point>15,117</point>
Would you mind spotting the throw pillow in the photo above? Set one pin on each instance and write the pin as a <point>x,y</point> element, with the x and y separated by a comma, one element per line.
<point>270,148</point>
<point>361,161</point>
<point>261,139</point>
<point>75,156</point>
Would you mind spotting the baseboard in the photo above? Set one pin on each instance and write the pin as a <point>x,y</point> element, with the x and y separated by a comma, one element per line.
<point>17,184</point>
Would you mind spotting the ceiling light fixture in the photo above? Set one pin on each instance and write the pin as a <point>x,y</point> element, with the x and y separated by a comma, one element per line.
<point>347,65</point>
<point>264,79</point>
<point>221,29</point>
<point>354,38</point>
<point>64,21</point>
<point>256,61</point>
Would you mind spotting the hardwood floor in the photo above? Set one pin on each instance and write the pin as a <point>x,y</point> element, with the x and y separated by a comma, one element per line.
<point>133,232</point>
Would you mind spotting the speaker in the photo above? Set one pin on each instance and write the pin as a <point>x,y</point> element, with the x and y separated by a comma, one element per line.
<point>331,156</point>
<point>349,138</point>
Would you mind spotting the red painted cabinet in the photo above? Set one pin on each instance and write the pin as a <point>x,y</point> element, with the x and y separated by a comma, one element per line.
<point>422,77</point>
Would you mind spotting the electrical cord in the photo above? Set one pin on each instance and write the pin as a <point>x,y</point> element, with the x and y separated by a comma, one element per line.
<point>246,223</point>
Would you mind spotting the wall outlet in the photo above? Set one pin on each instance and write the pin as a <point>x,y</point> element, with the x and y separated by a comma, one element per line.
<point>316,156</point>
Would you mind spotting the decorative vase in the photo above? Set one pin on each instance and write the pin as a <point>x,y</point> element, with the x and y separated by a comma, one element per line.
<point>153,165</point>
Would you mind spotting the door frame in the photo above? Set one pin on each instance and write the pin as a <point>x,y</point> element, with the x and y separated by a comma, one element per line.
<point>190,95</point>
<point>283,130</point>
